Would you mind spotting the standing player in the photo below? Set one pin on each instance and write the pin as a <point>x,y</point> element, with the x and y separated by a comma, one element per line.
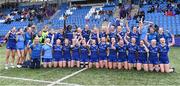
<point>120,33</point>
<point>28,40</point>
<point>67,53</point>
<point>163,55</point>
<point>95,35</point>
<point>20,47</point>
<point>103,53</point>
<point>93,54</point>
<point>86,32</point>
<point>47,54</point>
<point>122,55</point>
<point>58,54</point>
<point>112,54</point>
<point>142,56</point>
<point>10,47</point>
<point>152,35</point>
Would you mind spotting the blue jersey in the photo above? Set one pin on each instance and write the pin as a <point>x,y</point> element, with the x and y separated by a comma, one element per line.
<point>141,52</point>
<point>75,52</point>
<point>112,35</point>
<point>153,52</point>
<point>163,51</point>
<point>94,51</point>
<point>153,55</point>
<point>102,50</point>
<point>94,36</point>
<point>20,42</point>
<point>142,55</point>
<point>122,34</point>
<point>163,54</point>
<point>11,41</point>
<point>112,51</point>
<point>47,51</point>
<point>86,34</point>
<point>69,35</point>
<point>60,36</point>
<point>66,52</point>
<point>57,51</point>
<point>122,51</point>
<point>28,38</point>
<point>36,50</point>
<point>135,35</point>
<point>84,53</point>
<point>152,36</point>
<point>132,49</point>
<point>49,36</point>
<point>102,34</point>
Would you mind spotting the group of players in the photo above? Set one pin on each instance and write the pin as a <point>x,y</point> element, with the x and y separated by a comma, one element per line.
<point>108,47</point>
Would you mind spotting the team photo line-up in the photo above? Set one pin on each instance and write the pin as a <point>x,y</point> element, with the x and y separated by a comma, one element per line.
<point>110,47</point>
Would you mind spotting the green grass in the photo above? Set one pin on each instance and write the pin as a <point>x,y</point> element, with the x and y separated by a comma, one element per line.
<point>93,76</point>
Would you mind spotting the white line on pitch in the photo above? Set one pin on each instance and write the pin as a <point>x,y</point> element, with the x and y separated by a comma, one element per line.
<point>41,81</point>
<point>25,79</point>
<point>66,77</point>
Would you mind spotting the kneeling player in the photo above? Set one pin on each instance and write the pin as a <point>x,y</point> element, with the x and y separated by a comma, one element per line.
<point>66,53</point>
<point>163,56</point>
<point>75,53</point>
<point>36,53</point>
<point>93,54</point>
<point>122,55</point>
<point>112,54</point>
<point>132,48</point>
<point>84,54</point>
<point>142,56</point>
<point>47,54</point>
<point>57,54</point>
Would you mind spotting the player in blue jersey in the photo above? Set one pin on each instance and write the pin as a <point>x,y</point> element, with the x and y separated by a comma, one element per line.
<point>58,54</point>
<point>75,59</point>
<point>102,33</point>
<point>84,51</point>
<point>112,32</point>
<point>60,35</point>
<point>134,33</point>
<point>36,48</point>
<point>142,56</point>
<point>163,56</point>
<point>28,41</point>
<point>94,35</point>
<point>120,33</point>
<point>166,35</point>
<point>10,47</point>
<point>112,60</point>
<point>20,47</point>
<point>103,53</point>
<point>93,54</point>
<point>67,53</point>
<point>86,32</point>
<point>152,34</point>
<point>132,49</point>
<point>153,56</point>
<point>47,54</point>
<point>122,54</point>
